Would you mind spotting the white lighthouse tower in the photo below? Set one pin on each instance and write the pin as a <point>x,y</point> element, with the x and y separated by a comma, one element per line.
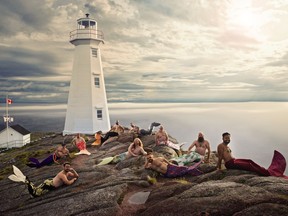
<point>87,110</point>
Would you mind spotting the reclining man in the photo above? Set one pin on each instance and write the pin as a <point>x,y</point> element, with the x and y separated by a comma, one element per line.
<point>169,170</point>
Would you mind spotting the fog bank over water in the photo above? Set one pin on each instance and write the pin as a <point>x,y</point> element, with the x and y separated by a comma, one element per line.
<point>257,128</point>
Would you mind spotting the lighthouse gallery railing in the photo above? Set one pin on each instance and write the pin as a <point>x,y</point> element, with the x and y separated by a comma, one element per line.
<point>86,34</point>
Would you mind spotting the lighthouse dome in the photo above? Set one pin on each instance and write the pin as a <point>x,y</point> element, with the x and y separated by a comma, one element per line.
<point>86,22</point>
<point>86,29</point>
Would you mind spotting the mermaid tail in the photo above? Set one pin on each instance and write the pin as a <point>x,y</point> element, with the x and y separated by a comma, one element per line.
<point>106,161</point>
<point>18,176</point>
<point>31,164</point>
<point>193,169</point>
<point>278,164</point>
<point>155,124</point>
<point>194,166</point>
<point>85,152</point>
<point>34,160</point>
<point>149,131</point>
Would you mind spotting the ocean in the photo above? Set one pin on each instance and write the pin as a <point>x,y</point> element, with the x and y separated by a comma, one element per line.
<point>256,128</point>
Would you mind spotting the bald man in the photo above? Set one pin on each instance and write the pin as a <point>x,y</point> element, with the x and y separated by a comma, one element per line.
<point>201,145</point>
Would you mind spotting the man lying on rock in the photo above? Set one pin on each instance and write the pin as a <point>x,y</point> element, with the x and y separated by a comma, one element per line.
<point>142,132</point>
<point>169,170</point>
<point>65,177</point>
<point>60,153</point>
<point>135,149</point>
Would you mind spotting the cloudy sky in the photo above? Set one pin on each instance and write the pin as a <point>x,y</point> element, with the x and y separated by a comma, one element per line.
<point>155,50</point>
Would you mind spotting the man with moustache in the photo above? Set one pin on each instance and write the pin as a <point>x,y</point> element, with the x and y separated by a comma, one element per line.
<point>276,168</point>
<point>201,146</point>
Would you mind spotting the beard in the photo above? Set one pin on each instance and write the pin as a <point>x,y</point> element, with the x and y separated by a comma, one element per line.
<point>227,142</point>
<point>200,139</point>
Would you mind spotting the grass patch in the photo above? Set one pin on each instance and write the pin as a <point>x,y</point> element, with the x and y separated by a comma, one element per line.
<point>38,135</point>
<point>5,171</point>
<point>182,181</point>
<point>18,158</point>
<point>151,180</point>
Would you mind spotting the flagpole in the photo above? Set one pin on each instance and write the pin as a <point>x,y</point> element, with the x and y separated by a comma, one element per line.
<point>7,121</point>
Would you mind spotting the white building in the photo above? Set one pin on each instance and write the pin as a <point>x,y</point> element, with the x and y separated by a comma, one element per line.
<point>87,110</point>
<point>17,136</point>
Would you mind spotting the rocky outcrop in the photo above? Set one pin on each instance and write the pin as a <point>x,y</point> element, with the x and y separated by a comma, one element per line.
<point>123,189</point>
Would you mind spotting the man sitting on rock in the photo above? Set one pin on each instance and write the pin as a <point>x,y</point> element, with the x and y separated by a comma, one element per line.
<point>167,169</point>
<point>161,137</point>
<point>113,133</point>
<point>201,145</point>
<point>276,168</point>
<point>80,143</point>
<point>98,139</point>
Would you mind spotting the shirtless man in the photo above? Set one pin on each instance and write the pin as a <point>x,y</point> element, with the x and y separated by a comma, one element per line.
<point>161,136</point>
<point>134,129</point>
<point>135,149</point>
<point>167,169</point>
<point>80,143</point>
<point>276,168</point>
<point>65,177</point>
<point>117,128</point>
<point>60,153</point>
<point>114,132</point>
<point>201,146</point>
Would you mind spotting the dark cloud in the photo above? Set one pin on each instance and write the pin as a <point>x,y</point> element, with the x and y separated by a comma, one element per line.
<point>31,91</point>
<point>22,62</point>
<point>23,16</point>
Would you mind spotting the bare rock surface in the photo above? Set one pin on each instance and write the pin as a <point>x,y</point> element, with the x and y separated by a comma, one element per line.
<point>122,188</point>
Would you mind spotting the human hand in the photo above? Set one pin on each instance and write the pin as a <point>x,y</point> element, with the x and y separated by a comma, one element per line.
<point>72,170</point>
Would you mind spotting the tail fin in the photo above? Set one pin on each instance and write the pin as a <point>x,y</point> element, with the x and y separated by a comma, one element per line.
<point>14,178</point>
<point>278,164</point>
<point>18,176</point>
<point>106,161</point>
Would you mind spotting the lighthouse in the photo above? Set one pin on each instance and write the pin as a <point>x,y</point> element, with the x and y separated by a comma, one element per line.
<point>87,110</point>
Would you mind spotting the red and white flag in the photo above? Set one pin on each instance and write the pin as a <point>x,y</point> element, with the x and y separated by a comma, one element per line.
<point>9,101</point>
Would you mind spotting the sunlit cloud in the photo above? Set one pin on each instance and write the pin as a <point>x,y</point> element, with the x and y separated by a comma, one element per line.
<point>158,50</point>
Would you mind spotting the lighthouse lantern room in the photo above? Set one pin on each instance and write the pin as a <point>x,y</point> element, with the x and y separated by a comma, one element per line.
<point>87,110</point>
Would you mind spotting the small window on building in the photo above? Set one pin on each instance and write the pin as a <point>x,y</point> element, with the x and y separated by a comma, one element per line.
<point>99,113</point>
<point>94,52</point>
<point>97,82</point>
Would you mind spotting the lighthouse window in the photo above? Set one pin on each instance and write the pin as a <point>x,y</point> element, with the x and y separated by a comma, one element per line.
<point>97,82</point>
<point>92,23</point>
<point>94,52</point>
<point>85,24</point>
<point>99,114</point>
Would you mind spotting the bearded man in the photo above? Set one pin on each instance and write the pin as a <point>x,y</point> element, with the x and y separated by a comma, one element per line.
<point>201,145</point>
